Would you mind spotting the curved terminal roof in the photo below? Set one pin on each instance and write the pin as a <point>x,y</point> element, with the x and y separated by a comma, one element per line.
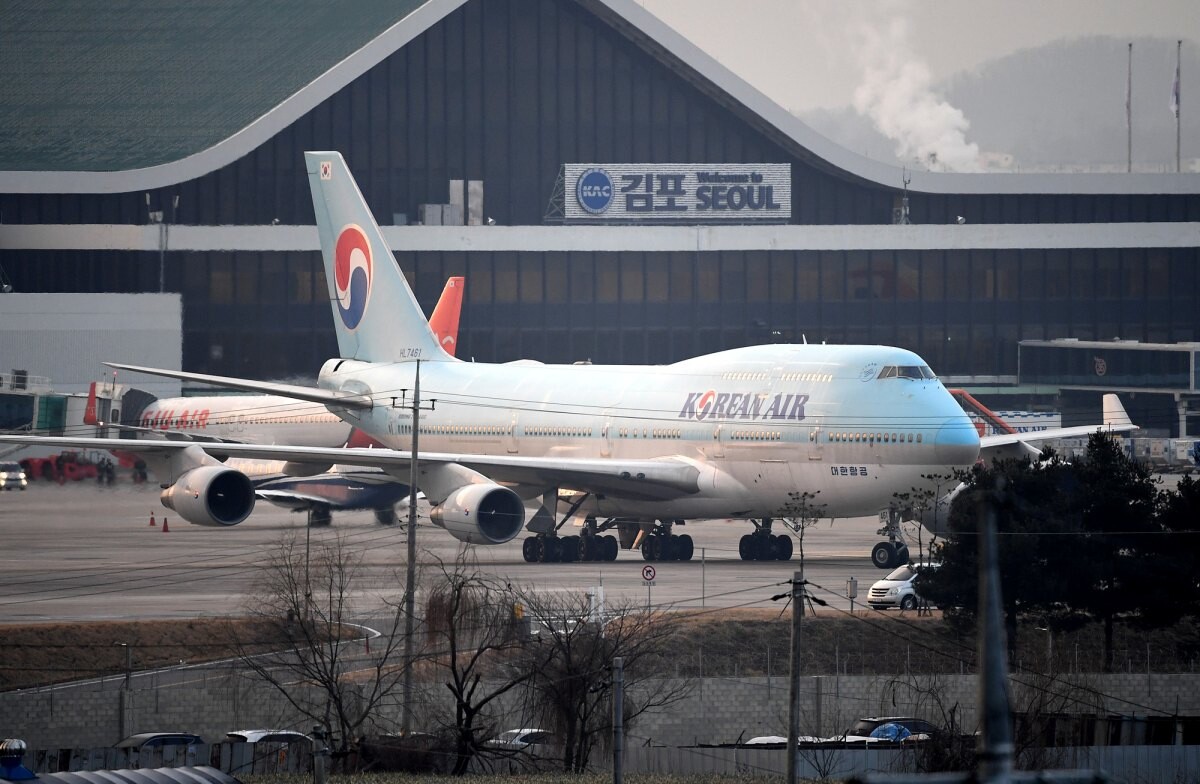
<point>113,98</point>
<point>182,775</point>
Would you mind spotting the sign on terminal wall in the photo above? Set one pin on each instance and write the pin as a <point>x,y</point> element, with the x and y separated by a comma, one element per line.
<point>677,193</point>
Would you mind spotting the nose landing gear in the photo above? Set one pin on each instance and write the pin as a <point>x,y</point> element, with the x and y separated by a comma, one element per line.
<point>893,552</point>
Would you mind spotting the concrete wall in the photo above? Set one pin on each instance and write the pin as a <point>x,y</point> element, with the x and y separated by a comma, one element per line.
<point>718,710</point>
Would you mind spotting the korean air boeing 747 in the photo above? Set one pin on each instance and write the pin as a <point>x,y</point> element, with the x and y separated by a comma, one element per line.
<point>735,434</point>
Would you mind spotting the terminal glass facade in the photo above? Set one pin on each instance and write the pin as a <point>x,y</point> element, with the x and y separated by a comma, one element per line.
<point>506,92</point>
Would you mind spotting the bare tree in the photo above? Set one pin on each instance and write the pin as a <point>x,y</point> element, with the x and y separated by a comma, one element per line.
<point>474,636</point>
<point>932,696</point>
<point>926,511</point>
<point>801,513</point>
<point>570,658</point>
<point>336,673</point>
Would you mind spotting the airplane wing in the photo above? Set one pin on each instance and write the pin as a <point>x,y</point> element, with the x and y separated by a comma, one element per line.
<point>311,394</point>
<point>656,479</point>
<point>1022,444</point>
<point>171,435</point>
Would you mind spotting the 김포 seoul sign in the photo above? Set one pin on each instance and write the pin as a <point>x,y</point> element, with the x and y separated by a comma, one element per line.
<point>677,192</point>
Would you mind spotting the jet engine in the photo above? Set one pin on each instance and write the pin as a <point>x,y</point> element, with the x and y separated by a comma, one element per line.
<point>211,495</point>
<point>481,514</point>
<point>936,518</point>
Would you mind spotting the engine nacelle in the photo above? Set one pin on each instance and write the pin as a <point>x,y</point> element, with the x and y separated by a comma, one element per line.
<point>481,514</point>
<point>936,518</point>
<point>211,495</point>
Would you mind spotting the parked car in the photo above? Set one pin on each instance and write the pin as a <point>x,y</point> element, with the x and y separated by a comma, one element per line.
<point>527,739</point>
<point>889,728</point>
<point>416,752</point>
<point>526,750</point>
<point>781,740</point>
<point>266,736</point>
<point>150,740</point>
<point>12,477</point>
<point>899,588</point>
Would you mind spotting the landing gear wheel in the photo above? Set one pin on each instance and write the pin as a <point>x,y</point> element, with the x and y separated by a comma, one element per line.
<point>650,548</point>
<point>385,516</point>
<point>572,549</point>
<point>782,547</point>
<point>746,548</point>
<point>685,548</point>
<point>609,548</point>
<point>666,547</point>
<point>901,555</point>
<point>551,550</point>
<point>529,549</point>
<point>883,554</point>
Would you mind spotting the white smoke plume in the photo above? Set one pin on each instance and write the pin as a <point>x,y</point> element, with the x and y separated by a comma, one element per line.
<point>897,96</point>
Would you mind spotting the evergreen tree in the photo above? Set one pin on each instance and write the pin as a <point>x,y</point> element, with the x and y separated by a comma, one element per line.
<point>1030,521</point>
<point>1089,540</point>
<point>1111,562</point>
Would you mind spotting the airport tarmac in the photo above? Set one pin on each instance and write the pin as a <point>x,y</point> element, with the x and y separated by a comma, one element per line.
<point>81,552</point>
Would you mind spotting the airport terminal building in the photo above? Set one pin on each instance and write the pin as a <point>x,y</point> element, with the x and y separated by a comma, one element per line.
<point>610,192</point>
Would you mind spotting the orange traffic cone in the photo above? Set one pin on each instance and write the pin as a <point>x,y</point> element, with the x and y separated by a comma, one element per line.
<point>152,519</point>
<point>165,529</point>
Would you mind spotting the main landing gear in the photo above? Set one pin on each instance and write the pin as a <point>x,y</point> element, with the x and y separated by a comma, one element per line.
<point>662,545</point>
<point>893,552</point>
<point>762,545</point>
<point>587,546</point>
<point>546,546</point>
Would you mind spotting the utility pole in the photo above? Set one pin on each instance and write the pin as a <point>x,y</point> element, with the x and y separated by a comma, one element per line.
<point>307,616</point>
<point>1176,95</point>
<point>410,573</point>
<point>618,719</point>
<point>1129,112</point>
<point>794,686</point>
<point>126,698</point>
<point>995,738</point>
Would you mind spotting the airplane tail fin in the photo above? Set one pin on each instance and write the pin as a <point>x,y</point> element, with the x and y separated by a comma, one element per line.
<point>375,314</point>
<point>89,411</point>
<point>444,321</point>
<point>1114,413</point>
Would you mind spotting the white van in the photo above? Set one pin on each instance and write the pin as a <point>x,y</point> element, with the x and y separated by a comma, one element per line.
<point>12,477</point>
<point>898,588</point>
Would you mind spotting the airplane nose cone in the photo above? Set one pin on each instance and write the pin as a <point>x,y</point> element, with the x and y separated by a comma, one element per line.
<point>956,443</point>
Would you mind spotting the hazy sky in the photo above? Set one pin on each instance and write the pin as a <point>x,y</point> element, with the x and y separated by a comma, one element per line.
<point>813,53</point>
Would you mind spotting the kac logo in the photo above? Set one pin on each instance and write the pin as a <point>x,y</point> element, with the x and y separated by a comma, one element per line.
<point>594,191</point>
<point>352,274</point>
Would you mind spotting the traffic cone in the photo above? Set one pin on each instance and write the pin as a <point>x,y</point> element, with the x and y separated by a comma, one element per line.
<point>152,523</point>
<point>165,529</point>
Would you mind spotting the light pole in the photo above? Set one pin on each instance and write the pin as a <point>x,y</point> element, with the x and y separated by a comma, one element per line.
<point>1049,648</point>
<point>159,217</point>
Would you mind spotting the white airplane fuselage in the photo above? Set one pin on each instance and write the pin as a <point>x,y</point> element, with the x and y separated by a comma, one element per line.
<point>259,419</point>
<point>762,424</point>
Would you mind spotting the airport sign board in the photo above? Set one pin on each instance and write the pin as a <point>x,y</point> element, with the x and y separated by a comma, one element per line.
<point>677,192</point>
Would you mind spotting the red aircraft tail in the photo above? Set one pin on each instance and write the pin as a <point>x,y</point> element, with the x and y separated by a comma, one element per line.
<point>89,412</point>
<point>444,321</point>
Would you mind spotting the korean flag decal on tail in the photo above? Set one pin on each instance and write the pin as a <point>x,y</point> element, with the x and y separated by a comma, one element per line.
<point>326,170</point>
<point>352,272</point>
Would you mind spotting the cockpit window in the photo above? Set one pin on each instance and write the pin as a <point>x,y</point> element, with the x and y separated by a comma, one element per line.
<point>906,371</point>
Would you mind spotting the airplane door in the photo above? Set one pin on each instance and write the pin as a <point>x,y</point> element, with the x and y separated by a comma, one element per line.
<point>717,448</point>
<point>514,445</point>
<point>606,436</point>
